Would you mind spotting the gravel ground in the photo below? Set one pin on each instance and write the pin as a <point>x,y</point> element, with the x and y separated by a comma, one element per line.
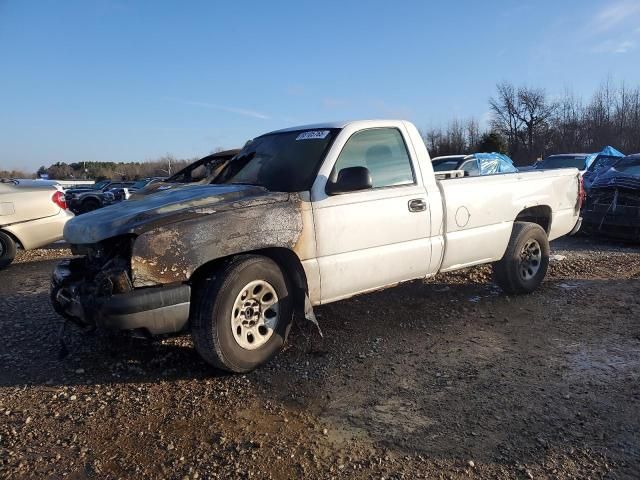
<point>444,379</point>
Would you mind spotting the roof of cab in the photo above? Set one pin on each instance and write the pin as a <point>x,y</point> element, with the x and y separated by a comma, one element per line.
<point>337,124</point>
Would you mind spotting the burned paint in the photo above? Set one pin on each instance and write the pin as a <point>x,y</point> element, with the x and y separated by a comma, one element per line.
<point>144,213</point>
<point>174,252</point>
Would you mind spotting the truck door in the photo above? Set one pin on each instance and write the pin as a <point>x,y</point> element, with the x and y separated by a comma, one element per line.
<point>372,238</point>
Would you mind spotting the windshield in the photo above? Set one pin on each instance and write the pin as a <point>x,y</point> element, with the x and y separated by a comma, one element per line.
<point>280,162</point>
<point>139,184</point>
<point>100,185</point>
<point>602,162</point>
<point>563,161</point>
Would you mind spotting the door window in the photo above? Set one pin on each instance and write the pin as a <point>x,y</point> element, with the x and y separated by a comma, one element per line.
<point>470,168</point>
<point>383,152</point>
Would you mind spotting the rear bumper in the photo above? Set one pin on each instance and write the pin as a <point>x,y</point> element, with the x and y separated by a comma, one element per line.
<point>576,227</point>
<point>156,310</point>
<point>41,232</point>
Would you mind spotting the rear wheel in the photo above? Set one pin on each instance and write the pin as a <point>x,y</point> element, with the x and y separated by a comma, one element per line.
<point>7,249</point>
<point>240,316</point>
<point>526,260</point>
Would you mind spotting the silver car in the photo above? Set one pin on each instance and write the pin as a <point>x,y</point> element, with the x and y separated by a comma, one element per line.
<point>32,215</point>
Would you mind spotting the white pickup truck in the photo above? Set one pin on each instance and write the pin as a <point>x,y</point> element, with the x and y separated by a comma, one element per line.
<point>302,217</point>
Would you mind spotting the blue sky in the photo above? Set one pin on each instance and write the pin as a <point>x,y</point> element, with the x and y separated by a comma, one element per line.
<point>129,81</point>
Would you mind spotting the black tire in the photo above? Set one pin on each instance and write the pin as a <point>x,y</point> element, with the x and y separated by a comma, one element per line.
<point>213,304</point>
<point>7,250</point>
<point>516,274</point>
<point>89,205</point>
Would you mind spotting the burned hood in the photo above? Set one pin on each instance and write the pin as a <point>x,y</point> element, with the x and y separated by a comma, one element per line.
<point>143,213</point>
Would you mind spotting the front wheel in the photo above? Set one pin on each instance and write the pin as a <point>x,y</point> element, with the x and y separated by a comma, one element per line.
<point>240,316</point>
<point>524,264</point>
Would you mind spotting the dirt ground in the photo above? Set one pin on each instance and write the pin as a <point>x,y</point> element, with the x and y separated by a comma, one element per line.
<point>444,379</point>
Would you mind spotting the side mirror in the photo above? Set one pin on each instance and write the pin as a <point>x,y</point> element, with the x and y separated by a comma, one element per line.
<point>351,179</point>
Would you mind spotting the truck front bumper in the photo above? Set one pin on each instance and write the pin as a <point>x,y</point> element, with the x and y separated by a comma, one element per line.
<point>156,310</point>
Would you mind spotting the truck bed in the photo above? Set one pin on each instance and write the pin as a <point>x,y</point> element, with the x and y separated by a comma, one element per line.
<point>480,211</point>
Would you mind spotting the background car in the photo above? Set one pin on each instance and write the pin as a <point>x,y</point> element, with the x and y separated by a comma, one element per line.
<point>613,201</point>
<point>204,170</point>
<point>31,216</point>
<point>85,199</point>
<point>585,162</point>
<point>601,163</point>
<point>475,164</point>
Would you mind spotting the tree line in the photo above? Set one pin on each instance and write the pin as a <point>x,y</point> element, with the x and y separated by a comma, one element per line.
<point>161,167</point>
<point>527,124</point>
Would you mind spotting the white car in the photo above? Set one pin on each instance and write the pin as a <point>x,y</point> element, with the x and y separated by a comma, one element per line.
<point>32,215</point>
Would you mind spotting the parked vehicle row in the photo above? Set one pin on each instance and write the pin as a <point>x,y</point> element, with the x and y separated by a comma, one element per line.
<point>88,198</point>
<point>302,217</point>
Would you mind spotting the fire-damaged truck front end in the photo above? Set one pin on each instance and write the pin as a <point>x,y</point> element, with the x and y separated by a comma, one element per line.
<point>134,263</point>
<point>96,288</point>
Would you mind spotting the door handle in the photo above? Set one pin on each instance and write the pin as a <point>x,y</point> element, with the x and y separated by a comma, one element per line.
<point>417,205</point>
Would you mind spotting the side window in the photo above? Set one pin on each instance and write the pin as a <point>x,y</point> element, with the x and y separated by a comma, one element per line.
<point>470,168</point>
<point>383,152</point>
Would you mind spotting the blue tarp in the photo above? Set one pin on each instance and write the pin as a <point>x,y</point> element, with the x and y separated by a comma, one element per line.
<point>491,163</point>
<point>607,151</point>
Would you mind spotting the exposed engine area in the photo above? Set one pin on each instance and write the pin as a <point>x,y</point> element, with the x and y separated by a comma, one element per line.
<point>80,285</point>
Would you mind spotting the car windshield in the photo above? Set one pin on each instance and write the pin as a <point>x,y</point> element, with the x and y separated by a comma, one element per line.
<point>139,184</point>
<point>562,161</point>
<point>280,162</point>
<point>100,185</point>
<point>602,162</point>
<point>445,165</point>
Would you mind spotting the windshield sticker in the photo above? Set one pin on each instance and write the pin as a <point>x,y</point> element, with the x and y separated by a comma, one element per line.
<point>313,135</point>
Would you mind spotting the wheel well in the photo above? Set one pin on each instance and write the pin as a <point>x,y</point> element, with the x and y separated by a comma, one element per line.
<point>540,214</point>
<point>285,258</point>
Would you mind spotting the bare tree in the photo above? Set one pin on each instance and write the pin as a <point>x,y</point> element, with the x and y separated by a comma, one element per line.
<point>473,134</point>
<point>507,117</point>
<point>535,112</point>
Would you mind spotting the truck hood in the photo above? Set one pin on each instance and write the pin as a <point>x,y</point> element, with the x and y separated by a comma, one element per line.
<point>145,212</point>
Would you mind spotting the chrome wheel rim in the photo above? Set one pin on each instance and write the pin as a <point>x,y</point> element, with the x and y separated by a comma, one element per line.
<point>255,314</point>
<point>530,259</point>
